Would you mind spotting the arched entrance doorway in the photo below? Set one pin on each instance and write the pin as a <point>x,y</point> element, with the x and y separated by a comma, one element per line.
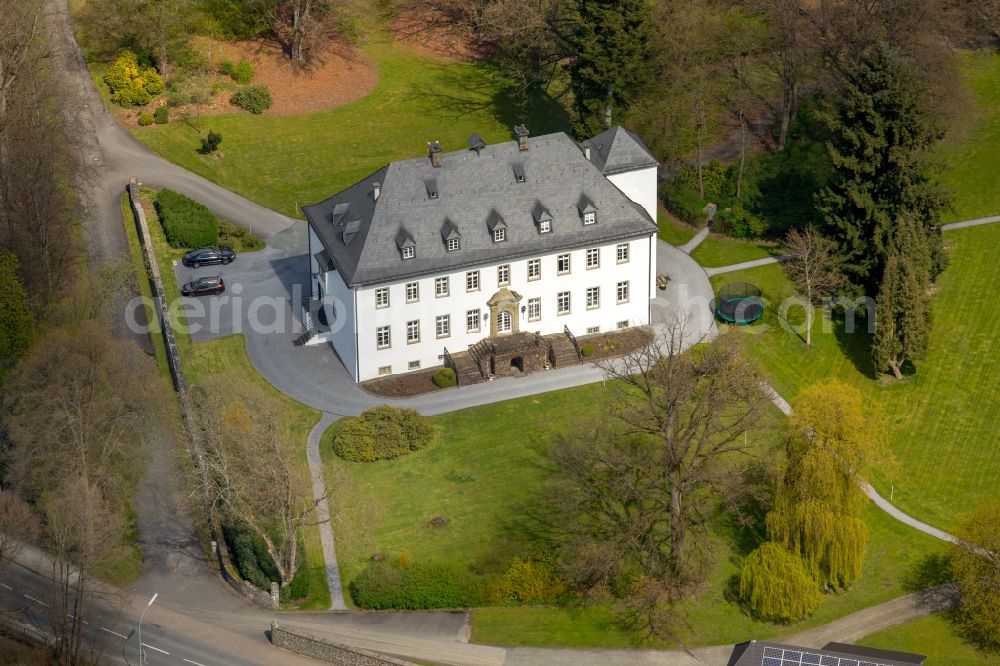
<point>518,363</point>
<point>504,322</point>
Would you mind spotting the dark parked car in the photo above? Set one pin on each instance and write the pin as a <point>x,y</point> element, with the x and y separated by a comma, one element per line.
<point>206,284</point>
<point>208,255</point>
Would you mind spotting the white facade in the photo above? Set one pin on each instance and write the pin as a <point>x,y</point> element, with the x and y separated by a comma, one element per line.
<point>359,315</point>
<point>639,186</point>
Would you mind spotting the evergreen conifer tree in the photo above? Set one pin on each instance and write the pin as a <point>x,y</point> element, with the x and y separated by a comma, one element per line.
<point>611,61</point>
<point>881,132</point>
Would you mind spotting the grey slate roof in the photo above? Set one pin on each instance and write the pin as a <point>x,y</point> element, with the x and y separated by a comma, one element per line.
<point>766,653</point>
<point>617,149</point>
<point>364,237</point>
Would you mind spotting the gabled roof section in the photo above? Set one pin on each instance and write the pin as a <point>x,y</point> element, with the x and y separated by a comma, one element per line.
<point>618,150</point>
<point>585,205</point>
<point>495,221</point>
<point>351,229</point>
<point>540,212</point>
<point>449,230</point>
<point>476,142</point>
<point>471,190</point>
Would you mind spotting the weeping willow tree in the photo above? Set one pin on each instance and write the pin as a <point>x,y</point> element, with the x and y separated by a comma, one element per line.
<point>776,586</point>
<point>833,442</point>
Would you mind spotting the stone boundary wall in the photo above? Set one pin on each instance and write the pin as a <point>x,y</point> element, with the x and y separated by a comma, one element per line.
<point>295,640</point>
<point>226,569</point>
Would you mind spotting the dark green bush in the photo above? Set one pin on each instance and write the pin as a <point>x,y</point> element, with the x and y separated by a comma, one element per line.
<point>162,115</point>
<point>255,99</point>
<point>145,118</point>
<point>682,200</point>
<point>249,555</point>
<point>587,349</point>
<point>739,223</point>
<point>241,72</point>
<point>237,238</point>
<point>382,433</point>
<point>210,143</point>
<point>444,378</point>
<point>186,223</point>
<point>382,586</point>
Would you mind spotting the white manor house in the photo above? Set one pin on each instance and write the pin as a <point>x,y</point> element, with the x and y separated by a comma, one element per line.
<point>489,260</point>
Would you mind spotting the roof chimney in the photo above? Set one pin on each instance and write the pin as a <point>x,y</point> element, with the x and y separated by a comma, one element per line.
<point>522,137</point>
<point>376,190</point>
<point>434,148</point>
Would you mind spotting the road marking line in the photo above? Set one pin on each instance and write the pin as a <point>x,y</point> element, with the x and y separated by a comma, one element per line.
<point>192,662</point>
<point>151,647</point>
<point>7,587</point>
<point>37,601</point>
<point>113,632</point>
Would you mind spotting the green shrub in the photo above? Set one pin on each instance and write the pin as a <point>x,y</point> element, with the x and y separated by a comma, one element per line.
<point>587,349</point>
<point>739,223</point>
<point>162,115</point>
<point>255,99</point>
<point>186,223</point>
<point>444,378</point>
<point>210,143</point>
<point>775,585</point>
<point>145,118</point>
<point>382,586</point>
<point>249,555</point>
<point>683,201</point>
<point>130,83</point>
<point>382,433</point>
<point>527,582</point>
<point>237,238</point>
<point>241,72</point>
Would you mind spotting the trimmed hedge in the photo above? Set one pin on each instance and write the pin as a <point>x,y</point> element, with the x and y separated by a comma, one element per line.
<point>422,585</point>
<point>444,378</point>
<point>255,99</point>
<point>587,349</point>
<point>186,223</point>
<point>382,433</point>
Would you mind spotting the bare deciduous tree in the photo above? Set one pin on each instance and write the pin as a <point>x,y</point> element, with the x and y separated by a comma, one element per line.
<point>254,473</point>
<point>18,525</point>
<point>812,265</point>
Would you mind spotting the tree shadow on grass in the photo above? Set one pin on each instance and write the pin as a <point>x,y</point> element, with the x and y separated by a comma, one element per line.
<point>854,340</point>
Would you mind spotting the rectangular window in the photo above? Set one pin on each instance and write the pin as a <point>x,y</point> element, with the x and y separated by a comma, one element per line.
<point>472,321</point>
<point>413,365</point>
<point>623,292</point>
<point>409,252</point>
<point>412,292</point>
<point>622,252</point>
<point>382,339</point>
<point>452,244</point>
<point>472,281</point>
<point>593,258</point>
<point>440,287</point>
<point>593,329</point>
<point>562,302</point>
<point>562,264</point>
<point>589,217</point>
<point>442,326</point>
<point>623,324</point>
<point>385,370</point>
<point>412,331</point>
<point>499,235</point>
<point>503,275</point>
<point>593,297</point>
<point>382,297</point>
<point>534,269</point>
<point>534,309</point>
<point>545,226</point>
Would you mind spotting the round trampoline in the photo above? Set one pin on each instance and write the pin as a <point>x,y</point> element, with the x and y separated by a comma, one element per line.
<point>739,303</point>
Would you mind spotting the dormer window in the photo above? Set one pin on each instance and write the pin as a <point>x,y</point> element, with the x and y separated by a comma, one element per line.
<point>432,188</point>
<point>588,211</point>
<point>450,235</point>
<point>409,252</point>
<point>590,217</point>
<point>404,241</point>
<point>452,244</point>
<point>544,226</point>
<point>518,171</point>
<point>542,218</point>
<point>497,226</point>
<point>499,235</point>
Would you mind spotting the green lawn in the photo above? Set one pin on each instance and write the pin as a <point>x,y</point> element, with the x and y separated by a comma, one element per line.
<point>673,230</point>
<point>933,636</point>
<point>971,147</point>
<point>943,418</point>
<point>718,250</point>
<point>284,162</point>
<point>481,479</point>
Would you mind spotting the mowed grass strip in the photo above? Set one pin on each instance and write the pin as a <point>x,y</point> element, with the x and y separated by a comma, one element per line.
<point>933,636</point>
<point>942,420</point>
<point>718,250</point>
<point>283,162</point>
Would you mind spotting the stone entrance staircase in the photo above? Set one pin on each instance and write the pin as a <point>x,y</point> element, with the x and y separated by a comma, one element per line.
<point>466,370</point>
<point>563,350</point>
